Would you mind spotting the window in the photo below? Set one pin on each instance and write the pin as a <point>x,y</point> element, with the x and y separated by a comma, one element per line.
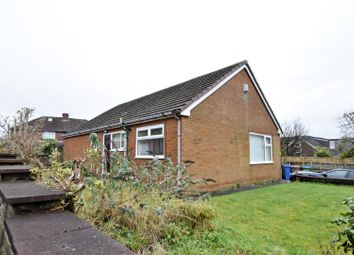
<point>150,142</point>
<point>115,141</point>
<point>48,135</point>
<point>260,149</point>
<point>332,145</point>
<point>350,174</point>
<point>337,174</point>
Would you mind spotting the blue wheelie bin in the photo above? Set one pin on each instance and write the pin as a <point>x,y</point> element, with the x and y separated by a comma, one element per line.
<point>286,172</point>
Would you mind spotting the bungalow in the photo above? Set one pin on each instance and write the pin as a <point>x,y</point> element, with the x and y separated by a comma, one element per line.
<point>221,121</point>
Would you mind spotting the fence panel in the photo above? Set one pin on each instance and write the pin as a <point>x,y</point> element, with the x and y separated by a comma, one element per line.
<point>320,164</point>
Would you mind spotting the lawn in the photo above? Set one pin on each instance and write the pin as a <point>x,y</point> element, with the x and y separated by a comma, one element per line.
<point>282,219</point>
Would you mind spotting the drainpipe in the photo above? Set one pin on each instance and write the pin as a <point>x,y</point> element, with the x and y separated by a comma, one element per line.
<point>177,116</point>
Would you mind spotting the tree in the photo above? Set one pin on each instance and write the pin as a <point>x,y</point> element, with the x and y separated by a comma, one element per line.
<point>346,144</point>
<point>21,137</point>
<point>293,132</point>
<point>346,123</point>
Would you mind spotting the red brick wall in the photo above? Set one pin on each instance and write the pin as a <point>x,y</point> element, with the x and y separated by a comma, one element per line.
<point>216,136</point>
<point>76,146</point>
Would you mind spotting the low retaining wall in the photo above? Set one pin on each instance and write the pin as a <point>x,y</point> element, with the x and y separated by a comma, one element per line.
<point>5,245</point>
<point>320,163</point>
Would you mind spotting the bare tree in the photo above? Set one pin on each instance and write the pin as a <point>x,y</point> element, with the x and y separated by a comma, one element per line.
<point>346,123</point>
<point>293,132</point>
<point>22,137</point>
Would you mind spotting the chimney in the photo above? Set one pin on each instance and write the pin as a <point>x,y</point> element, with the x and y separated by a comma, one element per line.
<point>65,116</point>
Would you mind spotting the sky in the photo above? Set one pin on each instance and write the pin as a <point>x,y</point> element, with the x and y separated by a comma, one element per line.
<point>85,57</point>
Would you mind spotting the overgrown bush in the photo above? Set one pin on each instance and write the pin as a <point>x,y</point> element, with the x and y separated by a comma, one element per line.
<point>322,152</point>
<point>349,153</point>
<point>344,241</point>
<point>147,208</point>
<point>48,147</point>
<point>346,234</point>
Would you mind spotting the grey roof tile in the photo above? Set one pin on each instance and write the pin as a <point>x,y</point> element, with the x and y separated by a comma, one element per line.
<point>160,104</point>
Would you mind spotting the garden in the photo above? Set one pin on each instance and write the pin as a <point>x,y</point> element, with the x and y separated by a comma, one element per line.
<point>156,208</point>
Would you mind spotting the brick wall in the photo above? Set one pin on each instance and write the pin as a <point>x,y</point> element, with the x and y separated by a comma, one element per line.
<point>216,136</point>
<point>76,146</point>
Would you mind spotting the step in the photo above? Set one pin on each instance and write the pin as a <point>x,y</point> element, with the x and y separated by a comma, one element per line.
<point>15,172</point>
<point>30,196</point>
<point>12,161</point>
<point>7,155</point>
<point>58,233</point>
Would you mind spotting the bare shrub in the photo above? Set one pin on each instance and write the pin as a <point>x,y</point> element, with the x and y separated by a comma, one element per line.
<point>147,208</point>
<point>21,137</point>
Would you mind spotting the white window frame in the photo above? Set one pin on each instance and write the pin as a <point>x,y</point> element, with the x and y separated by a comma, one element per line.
<point>48,135</point>
<point>265,146</point>
<point>332,145</point>
<point>149,137</point>
<point>111,143</point>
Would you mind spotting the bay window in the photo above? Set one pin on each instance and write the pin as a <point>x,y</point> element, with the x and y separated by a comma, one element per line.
<point>150,142</point>
<point>261,149</point>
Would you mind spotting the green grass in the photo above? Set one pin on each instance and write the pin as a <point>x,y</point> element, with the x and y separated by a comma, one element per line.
<point>282,219</point>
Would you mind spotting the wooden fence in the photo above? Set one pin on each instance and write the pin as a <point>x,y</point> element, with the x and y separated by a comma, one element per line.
<point>319,164</point>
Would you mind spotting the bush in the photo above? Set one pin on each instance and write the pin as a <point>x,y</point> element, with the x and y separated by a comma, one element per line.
<point>322,152</point>
<point>345,236</point>
<point>349,153</point>
<point>147,208</point>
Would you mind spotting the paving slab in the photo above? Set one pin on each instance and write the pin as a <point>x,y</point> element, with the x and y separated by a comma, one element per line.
<point>11,161</point>
<point>28,192</point>
<point>15,169</point>
<point>59,233</point>
<point>7,155</point>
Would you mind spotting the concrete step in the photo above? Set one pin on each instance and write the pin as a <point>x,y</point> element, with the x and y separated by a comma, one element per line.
<point>29,196</point>
<point>12,161</point>
<point>58,233</point>
<point>7,155</point>
<point>15,172</point>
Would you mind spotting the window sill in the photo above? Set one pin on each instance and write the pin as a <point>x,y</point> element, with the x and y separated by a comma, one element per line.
<point>120,150</point>
<point>150,157</point>
<point>262,163</point>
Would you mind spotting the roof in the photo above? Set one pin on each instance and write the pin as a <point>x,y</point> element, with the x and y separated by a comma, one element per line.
<point>58,124</point>
<point>161,104</point>
<point>320,142</point>
<point>316,141</point>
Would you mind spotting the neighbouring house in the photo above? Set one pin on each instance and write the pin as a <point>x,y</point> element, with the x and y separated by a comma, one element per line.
<point>221,121</point>
<point>306,146</point>
<point>56,127</point>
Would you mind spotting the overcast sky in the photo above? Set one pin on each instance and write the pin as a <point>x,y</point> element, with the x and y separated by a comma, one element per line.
<point>85,57</point>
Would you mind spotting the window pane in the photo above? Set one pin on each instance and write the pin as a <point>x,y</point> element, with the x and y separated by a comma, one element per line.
<point>268,141</point>
<point>151,147</point>
<point>268,153</point>
<point>337,174</point>
<point>122,141</point>
<point>116,141</point>
<point>257,148</point>
<point>48,135</point>
<point>142,133</point>
<point>351,174</point>
<point>156,131</point>
<point>107,141</point>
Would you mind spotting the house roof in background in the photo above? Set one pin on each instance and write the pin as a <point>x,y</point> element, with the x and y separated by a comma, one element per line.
<point>58,124</point>
<point>316,141</point>
<point>161,104</point>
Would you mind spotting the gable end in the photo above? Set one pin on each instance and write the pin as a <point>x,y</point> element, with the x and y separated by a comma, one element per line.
<point>196,101</point>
